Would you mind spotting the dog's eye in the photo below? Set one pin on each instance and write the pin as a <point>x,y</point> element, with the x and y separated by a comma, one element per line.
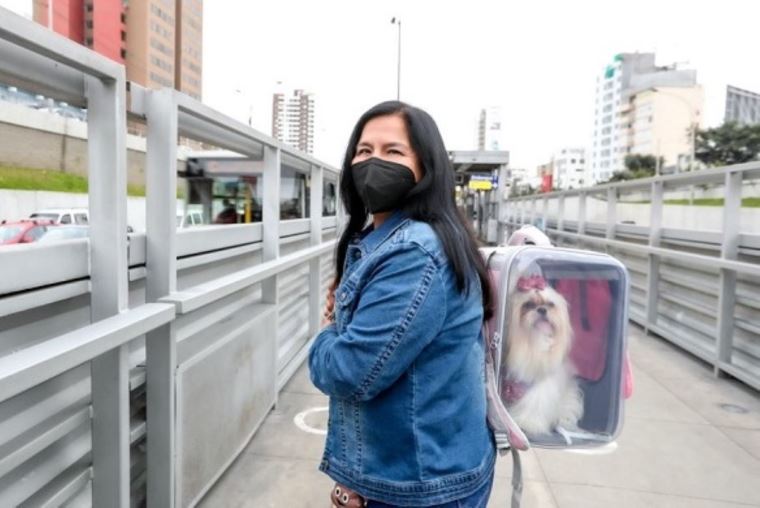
<point>550,304</point>
<point>530,305</point>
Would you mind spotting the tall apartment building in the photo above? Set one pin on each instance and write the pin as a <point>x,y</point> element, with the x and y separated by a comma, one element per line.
<point>99,25</point>
<point>627,74</point>
<point>293,119</point>
<point>489,128</point>
<point>160,41</point>
<point>661,120</point>
<point>164,44</point>
<point>188,47</point>
<point>569,168</point>
<point>742,106</point>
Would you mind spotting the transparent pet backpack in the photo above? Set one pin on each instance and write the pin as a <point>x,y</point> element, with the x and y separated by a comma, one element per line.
<point>556,349</point>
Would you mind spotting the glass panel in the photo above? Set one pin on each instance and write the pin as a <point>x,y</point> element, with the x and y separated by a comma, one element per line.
<point>233,199</point>
<point>329,198</point>
<point>562,360</point>
<point>293,195</point>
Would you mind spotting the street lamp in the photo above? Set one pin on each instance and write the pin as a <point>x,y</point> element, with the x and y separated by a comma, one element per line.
<point>397,21</point>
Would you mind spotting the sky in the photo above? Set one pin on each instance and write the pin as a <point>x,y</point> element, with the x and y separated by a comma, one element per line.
<point>536,60</point>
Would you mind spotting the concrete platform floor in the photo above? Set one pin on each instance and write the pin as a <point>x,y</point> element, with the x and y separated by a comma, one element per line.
<point>689,440</point>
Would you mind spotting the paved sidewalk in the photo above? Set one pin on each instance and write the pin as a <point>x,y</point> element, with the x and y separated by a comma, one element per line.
<point>689,440</point>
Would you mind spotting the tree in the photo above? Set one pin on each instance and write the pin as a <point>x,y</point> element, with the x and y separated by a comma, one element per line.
<point>636,166</point>
<point>646,165</point>
<point>728,144</point>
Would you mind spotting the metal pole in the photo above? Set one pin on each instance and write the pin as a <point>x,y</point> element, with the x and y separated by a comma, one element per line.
<point>653,272</point>
<point>271,218</point>
<point>611,212</point>
<point>693,145</point>
<point>315,265</point>
<point>398,72</point>
<point>107,168</point>
<point>161,280</point>
<point>727,287</point>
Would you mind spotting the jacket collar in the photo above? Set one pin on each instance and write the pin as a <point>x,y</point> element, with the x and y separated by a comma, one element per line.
<point>371,238</point>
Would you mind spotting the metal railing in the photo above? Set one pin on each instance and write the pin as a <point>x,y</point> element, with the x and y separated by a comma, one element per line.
<point>697,288</point>
<point>197,329</point>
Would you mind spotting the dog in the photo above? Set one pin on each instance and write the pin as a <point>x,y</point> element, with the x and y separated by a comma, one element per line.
<point>540,389</point>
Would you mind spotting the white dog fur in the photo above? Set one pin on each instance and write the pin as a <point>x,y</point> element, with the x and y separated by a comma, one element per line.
<point>539,341</point>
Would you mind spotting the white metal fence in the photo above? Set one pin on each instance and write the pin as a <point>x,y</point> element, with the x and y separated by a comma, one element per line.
<point>135,368</point>
<point>700,289</point>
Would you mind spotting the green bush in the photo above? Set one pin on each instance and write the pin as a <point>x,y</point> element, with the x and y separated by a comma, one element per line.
<point>17,178</point>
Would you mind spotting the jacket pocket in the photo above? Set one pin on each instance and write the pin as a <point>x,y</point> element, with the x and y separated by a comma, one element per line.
<point>345,302</point>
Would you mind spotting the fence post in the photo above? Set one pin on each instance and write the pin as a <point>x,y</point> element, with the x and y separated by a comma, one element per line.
<point>270,291</point>
<point>504,205</point>
<point>315,265</point>
<point>653,272</point>
<point>107,168</point>
<point>727,289</point>
<point>581,218</point>
<point>160,281</point>
<point>611,212</point>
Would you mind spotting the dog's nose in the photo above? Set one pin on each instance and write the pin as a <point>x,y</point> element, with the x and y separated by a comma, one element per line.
<point>541,310</point>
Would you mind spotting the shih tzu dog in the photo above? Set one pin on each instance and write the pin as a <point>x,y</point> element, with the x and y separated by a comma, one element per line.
<point>540,390</point>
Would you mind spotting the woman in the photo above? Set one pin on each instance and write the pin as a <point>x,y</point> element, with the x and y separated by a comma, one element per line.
<point>401,356</point>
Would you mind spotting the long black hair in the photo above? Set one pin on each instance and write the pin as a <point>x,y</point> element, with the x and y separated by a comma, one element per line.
<point>431,200</point>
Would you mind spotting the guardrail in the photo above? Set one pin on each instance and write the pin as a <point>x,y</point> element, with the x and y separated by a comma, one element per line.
<point>696,288</point>
<point>136,367</point>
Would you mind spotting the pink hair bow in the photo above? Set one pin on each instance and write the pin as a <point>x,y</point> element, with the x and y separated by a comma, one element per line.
<point>532,282</point>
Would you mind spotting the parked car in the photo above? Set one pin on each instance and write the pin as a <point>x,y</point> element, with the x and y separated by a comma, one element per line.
<point>78,216</point>
<point>23,231</point>
<point>190,219</point>
<point>65,233</point>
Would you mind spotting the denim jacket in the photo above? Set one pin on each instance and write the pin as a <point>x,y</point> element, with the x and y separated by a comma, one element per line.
<point>403,366</point>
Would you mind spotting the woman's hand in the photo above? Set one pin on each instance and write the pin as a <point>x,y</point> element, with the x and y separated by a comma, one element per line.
<point>328,315</point>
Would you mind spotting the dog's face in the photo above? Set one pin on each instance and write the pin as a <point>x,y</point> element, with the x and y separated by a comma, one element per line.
<point>539,331</point>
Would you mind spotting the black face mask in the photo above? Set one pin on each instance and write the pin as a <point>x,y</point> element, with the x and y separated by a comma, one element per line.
<point>381,184</point>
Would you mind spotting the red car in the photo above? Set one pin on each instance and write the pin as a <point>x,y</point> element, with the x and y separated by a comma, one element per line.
<point>23,231</point>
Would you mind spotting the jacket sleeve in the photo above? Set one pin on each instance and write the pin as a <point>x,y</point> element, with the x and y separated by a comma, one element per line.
<point>399,312</point>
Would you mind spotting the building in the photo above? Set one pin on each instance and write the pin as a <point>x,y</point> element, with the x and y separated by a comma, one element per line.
<point>164,44</point>
<point>627,74</point>
<point>742,106</point>
<point>662,122</point>
<point>160,41</point>
<point>188,61</point>
<point>569,168</point>
<point>293,119</point>
<point>489,129</point>
<point>98,25</point>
